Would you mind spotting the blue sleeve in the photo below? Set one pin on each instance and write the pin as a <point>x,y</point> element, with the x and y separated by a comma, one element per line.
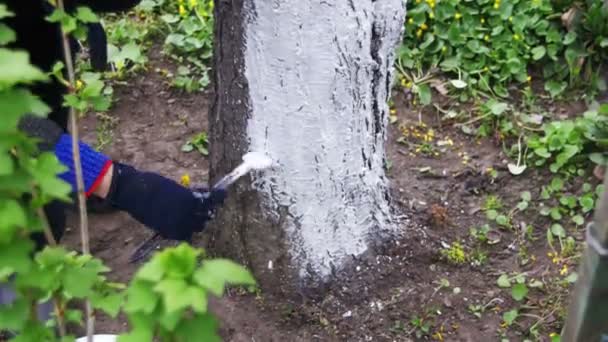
<point>94,164</point>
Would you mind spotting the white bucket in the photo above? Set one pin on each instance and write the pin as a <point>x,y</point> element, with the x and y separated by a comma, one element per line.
<point>100,338</point>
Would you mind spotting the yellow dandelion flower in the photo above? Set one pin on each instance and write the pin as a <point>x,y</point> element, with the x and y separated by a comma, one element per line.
<point>564,270</point>
<point>410,20</point>
<point>182,10</point>
<point>185,180</point>
<point>432,15</point>
<point>457,16</point>
<point>529,78</point>
<point>419,33</point>
<point>79,84</point>
<point>193,3</point>
<point>424,27</point>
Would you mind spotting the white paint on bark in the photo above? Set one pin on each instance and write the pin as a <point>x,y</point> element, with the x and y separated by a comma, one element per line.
<point>319,76</point>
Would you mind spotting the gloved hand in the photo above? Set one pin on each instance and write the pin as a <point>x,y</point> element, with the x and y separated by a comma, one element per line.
<point>51,137</point>
<point>163,205</point>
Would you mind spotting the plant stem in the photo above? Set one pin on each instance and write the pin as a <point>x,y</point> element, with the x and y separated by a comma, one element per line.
<point>82,206</point>
<point>59,312</point>
<point>48,234</point>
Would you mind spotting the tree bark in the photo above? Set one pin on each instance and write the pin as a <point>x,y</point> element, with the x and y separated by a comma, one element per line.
<point>306,82</point>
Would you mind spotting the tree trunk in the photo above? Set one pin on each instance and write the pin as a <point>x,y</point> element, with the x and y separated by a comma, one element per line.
<point>307,83</point>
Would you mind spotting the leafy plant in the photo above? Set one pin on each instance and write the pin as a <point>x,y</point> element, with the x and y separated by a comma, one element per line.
<point>455,254</point>
<point>190,40</point>
<point>200,142</point>
<point>517,283</point>
<point>568,143</point>
<point>485,45</point>
<point>167,297</point>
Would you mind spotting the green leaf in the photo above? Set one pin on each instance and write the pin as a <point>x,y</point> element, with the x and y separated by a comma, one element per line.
<point>6,35</point>
<point>177,295</point>
<point>215,274</point>
<point>587,203</point>
<point>491,214</point>
<point>510,316</point>
<point>74,316</point>
<point>5,12</point>
<point>45,172</point>
<point>572,278</point>
<point>17,102</point>
<point>179,262</point>
<point>578,220</point>
<point>78,282</point>
<point>142,329</point>
<point>169,320</point>
<point>131,51</point>
<point>538,52</point>
<point>187,147</point>
<point>557,184</point>
<point>424,91</point>
<point>536,284</point>
<point>7,166</point>
<point>555,214</point>
<point>152,271</point>
<point>558,231</point>
<point>13,316</point>
<point>140,298</point>
<point>526,196</point>
<point>109,304</point>
<point>521,206</point>
<point>458,84</point>
<point>598,158</point>
<point>497,108</point>
<point>569,38</point>
<point>85,15</point>
<point>68,23</point>
<point>555,88</point>
<point>12,215</point>
<point>15,256</point>
<point>502,220</point>
<point>519,291</point>
<point>542,152</point>
<point>200,328</point>
<point>503,281</point>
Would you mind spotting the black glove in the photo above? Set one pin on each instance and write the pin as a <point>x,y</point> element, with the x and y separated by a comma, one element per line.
<point>163,205</point>
<point>46,131</point>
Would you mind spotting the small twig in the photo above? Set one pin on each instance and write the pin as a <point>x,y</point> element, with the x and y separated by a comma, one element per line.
<point>48,234</point>
<point>82,206</point>
<point>60,320</point>
<point>481,117</point>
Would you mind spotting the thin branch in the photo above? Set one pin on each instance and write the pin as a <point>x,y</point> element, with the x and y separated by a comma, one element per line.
<point>60,321</point>
<point>82,206</point>
<point>48,234</point>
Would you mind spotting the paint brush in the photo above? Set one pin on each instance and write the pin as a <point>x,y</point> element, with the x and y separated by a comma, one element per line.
<point>251,161</point>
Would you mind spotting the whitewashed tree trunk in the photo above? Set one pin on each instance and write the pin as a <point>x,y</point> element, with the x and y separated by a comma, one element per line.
<point>308,83</point>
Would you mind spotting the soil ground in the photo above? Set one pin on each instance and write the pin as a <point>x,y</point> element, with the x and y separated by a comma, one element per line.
<point>439,197</point>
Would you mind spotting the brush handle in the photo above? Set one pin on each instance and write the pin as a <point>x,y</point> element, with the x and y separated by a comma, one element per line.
<point>230,178</point>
